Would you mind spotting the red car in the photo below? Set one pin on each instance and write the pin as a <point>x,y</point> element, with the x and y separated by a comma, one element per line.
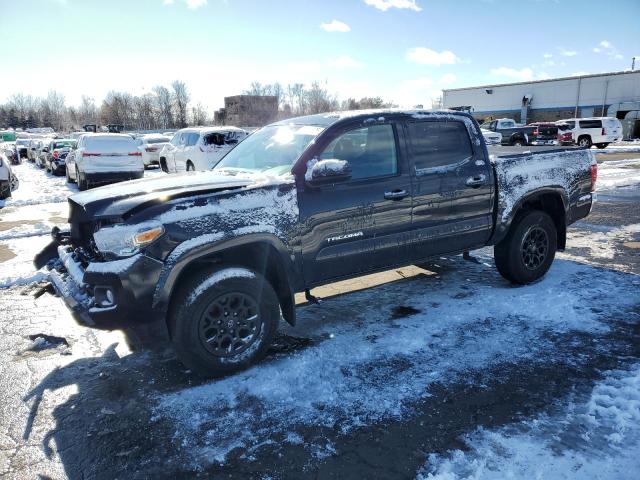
<point>565,136</point>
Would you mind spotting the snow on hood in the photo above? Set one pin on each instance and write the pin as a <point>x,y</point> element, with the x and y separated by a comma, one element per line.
<point>117,199</point>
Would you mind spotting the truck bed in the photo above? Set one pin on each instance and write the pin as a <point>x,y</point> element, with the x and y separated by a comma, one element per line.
<point>521,172</point>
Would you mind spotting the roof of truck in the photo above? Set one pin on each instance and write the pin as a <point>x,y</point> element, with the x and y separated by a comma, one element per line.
<point>327,119</point>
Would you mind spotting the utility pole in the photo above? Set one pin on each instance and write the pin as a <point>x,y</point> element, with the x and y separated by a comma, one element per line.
<point>633,63</point>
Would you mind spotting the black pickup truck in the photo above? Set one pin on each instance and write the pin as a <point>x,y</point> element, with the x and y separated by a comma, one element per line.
<point>214,258</point>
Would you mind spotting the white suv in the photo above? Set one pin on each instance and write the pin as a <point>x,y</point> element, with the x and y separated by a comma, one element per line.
<point>199,148</point>
<point>106,158</point>
<point>598,131</point>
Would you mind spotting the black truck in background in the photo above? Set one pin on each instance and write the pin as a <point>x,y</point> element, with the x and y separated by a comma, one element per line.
<point>214,258</point>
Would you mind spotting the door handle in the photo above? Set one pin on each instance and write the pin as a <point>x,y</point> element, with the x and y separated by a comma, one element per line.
<point>395,194</point>
<point>476,181</point>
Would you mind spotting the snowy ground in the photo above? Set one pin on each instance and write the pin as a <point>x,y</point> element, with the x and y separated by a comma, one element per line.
<point>445,372</point>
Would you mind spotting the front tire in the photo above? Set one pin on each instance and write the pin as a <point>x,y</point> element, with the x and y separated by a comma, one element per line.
<point>527,252</point>
<point>223,321</point>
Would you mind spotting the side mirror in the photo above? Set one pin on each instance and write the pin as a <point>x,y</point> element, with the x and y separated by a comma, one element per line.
<point>328,171</point>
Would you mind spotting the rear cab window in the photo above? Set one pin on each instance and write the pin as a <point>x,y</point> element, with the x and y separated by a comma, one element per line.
<point>436,144</point>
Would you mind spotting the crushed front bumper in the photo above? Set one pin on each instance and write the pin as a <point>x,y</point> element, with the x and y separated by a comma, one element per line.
<point>106,295</point>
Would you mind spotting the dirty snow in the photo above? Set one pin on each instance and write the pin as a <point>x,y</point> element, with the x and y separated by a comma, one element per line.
<point>597,437</point>
<point>618,173</point>
<point>330,384</point>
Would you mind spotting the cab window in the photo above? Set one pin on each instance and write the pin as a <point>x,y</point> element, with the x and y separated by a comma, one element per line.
<point>438,144</point>
<point>370,151</point>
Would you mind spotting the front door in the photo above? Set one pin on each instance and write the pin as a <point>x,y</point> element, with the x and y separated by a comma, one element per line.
<point>360,224</point>
<point>453,188</point>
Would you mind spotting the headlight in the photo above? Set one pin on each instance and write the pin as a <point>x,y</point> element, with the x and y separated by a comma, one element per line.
<point>126,240</point>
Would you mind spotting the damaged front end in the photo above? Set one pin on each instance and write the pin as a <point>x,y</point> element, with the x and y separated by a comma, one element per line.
<point>101,294</point>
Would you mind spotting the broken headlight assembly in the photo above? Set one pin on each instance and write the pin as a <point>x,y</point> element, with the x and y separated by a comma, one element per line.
<point>127,240</point>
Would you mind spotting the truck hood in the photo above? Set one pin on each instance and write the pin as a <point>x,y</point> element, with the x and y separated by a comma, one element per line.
<point>120,198</point>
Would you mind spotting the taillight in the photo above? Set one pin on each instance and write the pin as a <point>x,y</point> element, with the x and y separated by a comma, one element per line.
<point>56,154</point>
<point>594,176</point>
<point>135,154</point>
<point>535,132</point>
<point>604,131</point>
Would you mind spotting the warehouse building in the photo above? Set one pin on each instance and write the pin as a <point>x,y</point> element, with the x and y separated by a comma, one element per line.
<point>247,111</point>
<point>608,94</point>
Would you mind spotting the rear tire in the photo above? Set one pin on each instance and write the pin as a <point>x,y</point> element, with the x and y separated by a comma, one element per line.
<point>585,141</point>
<point>518,142</point>
<point>528,250</point>
<point>5,190</point>
<point>190,167</point>
<point>222,321</point>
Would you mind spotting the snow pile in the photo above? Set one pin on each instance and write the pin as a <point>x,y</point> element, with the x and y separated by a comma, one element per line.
<point>521,174</point>
<point>37,187</point>
<point>374,367</point>
<point>20,270</point>
<point>618,173</point>
<point>599,438</point>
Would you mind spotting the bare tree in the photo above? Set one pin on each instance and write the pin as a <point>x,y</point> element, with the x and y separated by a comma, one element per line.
<point>199,115</point>
<point>56,108</point>
<point>318,100</point>
<point>163,106</point>
<point>88,112</point>
<point>180,102</point>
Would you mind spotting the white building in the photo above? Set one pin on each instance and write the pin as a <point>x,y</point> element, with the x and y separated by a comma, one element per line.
<point>608,94</point>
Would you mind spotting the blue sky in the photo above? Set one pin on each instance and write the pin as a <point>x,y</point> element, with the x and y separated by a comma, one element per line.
<point>402,50</point>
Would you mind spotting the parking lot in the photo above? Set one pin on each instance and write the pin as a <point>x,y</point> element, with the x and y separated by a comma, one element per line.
<point>427,371</point>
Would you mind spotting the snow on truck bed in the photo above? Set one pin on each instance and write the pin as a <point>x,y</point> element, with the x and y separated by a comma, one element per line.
<point>519,174</point>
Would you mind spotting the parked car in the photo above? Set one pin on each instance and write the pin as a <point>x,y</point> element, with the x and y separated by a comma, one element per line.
<point>32,153</point>
<point>598,131</point>
<point>512,133</point>
<point>8,180</point>
<point>10,151</point>
<point>565,135</point>
<point>491,138</point>
<point>150,147</point>
<point>199,148</point>
<point>103,158</point>
<point>544,133</point>
<point>56,153</point>
<point>214,259</point>
<point>22,148</point>
<point>41,153</point>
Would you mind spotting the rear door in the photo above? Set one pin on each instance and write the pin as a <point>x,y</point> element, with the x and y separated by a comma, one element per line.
<point>361,224</point>
<point>453,188</point>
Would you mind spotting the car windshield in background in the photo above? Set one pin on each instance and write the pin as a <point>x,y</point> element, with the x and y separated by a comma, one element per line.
<point>271,150</point>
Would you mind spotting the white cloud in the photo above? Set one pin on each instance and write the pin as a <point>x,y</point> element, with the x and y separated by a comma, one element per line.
<point>547,55</point>
<point>608,49</point>
<point>335,26</point>
<point>426,56</point>
<point>579,74</point>
<point>567,53</point>
<point>385,5</point>
<point>523,74</point>
<point>191,4</point>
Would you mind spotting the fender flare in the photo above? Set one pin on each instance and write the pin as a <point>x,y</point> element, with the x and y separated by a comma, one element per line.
<point>199,249</point>
<point>502,227</point>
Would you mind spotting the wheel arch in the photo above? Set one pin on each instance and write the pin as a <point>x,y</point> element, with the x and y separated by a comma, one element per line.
<point>264,253</point>
<point>551,200</point>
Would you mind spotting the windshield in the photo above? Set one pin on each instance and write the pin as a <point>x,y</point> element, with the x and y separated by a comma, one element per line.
<point>271,150</point>
<point>68,144</point>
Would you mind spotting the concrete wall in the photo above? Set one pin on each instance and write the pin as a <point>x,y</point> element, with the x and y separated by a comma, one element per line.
<point>550,99</point>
